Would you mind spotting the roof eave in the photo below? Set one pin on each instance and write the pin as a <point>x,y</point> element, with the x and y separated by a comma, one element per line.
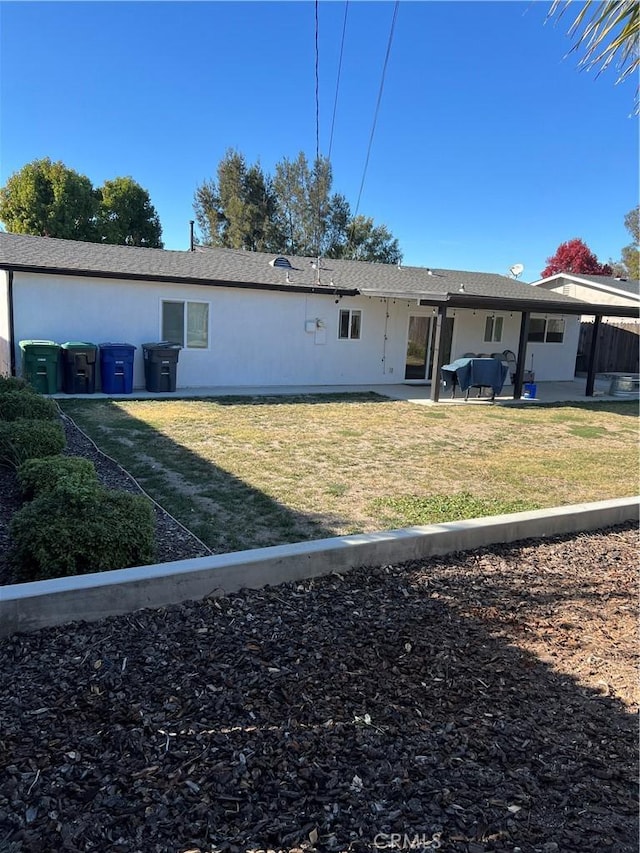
<point>329,290</point>
<point>387,293</point>
<point>540,306</point>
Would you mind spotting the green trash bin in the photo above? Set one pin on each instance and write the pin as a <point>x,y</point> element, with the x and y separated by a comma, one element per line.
<point>40,361</point>
<point>78,367</point>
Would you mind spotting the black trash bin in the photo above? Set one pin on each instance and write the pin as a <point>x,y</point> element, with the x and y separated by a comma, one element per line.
<point>160,365</point>
<point>78,367</point>
<point>116,368</point>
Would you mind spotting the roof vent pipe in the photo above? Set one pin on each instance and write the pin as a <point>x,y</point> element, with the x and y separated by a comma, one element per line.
<point>192,244</point>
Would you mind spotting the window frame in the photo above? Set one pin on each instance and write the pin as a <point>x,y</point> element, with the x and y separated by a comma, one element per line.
<point>549,330</point>
<point>186,303</point>
<point>494,325</point>
<point>354,324</point>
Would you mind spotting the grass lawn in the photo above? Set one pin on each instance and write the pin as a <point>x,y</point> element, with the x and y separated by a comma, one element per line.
<point>251,472</point>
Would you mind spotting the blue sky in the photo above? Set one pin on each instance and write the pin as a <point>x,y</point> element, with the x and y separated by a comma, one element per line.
<point>491,147</point>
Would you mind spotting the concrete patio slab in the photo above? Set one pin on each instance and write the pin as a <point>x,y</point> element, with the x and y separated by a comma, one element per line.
<point>547,392</point>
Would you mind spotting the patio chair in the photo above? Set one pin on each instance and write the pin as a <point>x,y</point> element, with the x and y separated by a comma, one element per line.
<point>510,358</point>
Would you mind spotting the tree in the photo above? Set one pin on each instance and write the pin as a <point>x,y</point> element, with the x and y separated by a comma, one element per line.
<point>369,242</point>
<point>239,211</point>
<point>576,257</point>
<point>293,213</point>
<point>631,253</point>
<point>306,213</point>
<point>607,30</point>
<point>126,215</point>
<point>49,200</point>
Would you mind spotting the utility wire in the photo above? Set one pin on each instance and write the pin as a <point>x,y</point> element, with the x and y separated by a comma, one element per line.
<point>317,88</point>
<point>317,163</point>
<point>335,103</point>
<point>375,117</point>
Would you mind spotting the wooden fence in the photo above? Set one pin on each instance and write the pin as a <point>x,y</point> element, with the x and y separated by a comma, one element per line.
<point>618,347</point>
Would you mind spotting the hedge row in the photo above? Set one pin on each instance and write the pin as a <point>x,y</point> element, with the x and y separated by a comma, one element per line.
<point>69,524</point>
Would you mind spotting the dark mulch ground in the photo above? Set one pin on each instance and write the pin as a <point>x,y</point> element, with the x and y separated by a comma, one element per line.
<point>479,702</point>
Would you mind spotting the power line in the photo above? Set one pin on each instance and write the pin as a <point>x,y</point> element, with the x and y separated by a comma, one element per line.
<point>317,163</point>
<point>317,89</point>
<point>335,103</point>
<point>375,117</point>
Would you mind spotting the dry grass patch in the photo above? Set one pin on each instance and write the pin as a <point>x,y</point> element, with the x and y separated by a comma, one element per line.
<point>253,472</point>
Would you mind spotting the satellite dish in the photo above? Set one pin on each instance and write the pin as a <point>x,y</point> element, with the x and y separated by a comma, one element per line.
<point>516,270</point>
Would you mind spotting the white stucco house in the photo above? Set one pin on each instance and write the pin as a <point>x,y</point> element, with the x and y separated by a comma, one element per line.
<point>606,290</point>
<point>617,337</point>
<point>248,318</point>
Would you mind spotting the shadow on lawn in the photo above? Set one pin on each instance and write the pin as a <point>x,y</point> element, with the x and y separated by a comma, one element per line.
<point>288,399</point>
<point>628,408</point>
<point>225,512</point>
<point>328,715</point>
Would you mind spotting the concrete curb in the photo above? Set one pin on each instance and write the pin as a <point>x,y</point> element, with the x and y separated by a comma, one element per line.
<point>31,606</point>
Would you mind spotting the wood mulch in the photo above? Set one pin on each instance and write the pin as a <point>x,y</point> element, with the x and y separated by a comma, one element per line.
<point>480,702</point>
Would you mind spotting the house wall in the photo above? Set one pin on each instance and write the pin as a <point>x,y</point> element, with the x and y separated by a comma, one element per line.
<point>552,362</point>
<point>593,294</point>
<point>469,328</point>
<point>255,337</point>
<point>5,353</point>
<point>596,294</point>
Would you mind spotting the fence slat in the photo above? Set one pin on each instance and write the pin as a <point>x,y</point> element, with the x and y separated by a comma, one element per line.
<point>618,347</point>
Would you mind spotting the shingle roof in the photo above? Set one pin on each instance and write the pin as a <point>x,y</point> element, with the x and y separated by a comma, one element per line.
<point>630,286</point>
<point>215,266</point>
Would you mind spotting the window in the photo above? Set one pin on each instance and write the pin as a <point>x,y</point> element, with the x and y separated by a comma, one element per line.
<point>536,329</point>
<point>555,330</point>
<point>349,325</point>
<point>493,329</point>
<point>186,321</point>
<point>546,330</point>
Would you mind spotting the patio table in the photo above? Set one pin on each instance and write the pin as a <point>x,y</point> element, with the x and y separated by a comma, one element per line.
<point>475,373</point>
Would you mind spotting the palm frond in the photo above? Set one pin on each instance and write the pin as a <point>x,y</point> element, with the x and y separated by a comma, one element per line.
<point>607,30</point>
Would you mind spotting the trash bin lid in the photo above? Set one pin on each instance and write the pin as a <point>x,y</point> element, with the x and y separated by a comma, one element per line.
<point>25,344</point>
<point>107,344</point>
<point>162,345</point>
<point>78,345</point>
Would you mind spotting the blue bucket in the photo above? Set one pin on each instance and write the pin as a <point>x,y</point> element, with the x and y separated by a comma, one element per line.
<point>530,389</point>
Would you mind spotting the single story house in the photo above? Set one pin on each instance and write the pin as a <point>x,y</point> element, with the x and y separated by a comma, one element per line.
<point>618,337</point>
<point>604,289</point>
<point>249,318</point>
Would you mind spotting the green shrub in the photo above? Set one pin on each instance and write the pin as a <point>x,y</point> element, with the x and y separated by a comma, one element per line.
<point>15,383</point>
<point>36,476</point>
<point>75,529</point>
<point>21,404</point>
<point>28,439</point>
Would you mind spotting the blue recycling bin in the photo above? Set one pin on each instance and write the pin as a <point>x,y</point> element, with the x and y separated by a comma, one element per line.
<point>116,368</point>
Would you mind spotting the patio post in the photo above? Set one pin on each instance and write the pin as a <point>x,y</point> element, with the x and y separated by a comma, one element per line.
<point>522,354</point>
<point>593,352</point>
<point>438,354</point>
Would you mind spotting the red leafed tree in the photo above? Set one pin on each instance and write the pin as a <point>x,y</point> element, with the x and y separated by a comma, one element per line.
<point>575,256</point>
